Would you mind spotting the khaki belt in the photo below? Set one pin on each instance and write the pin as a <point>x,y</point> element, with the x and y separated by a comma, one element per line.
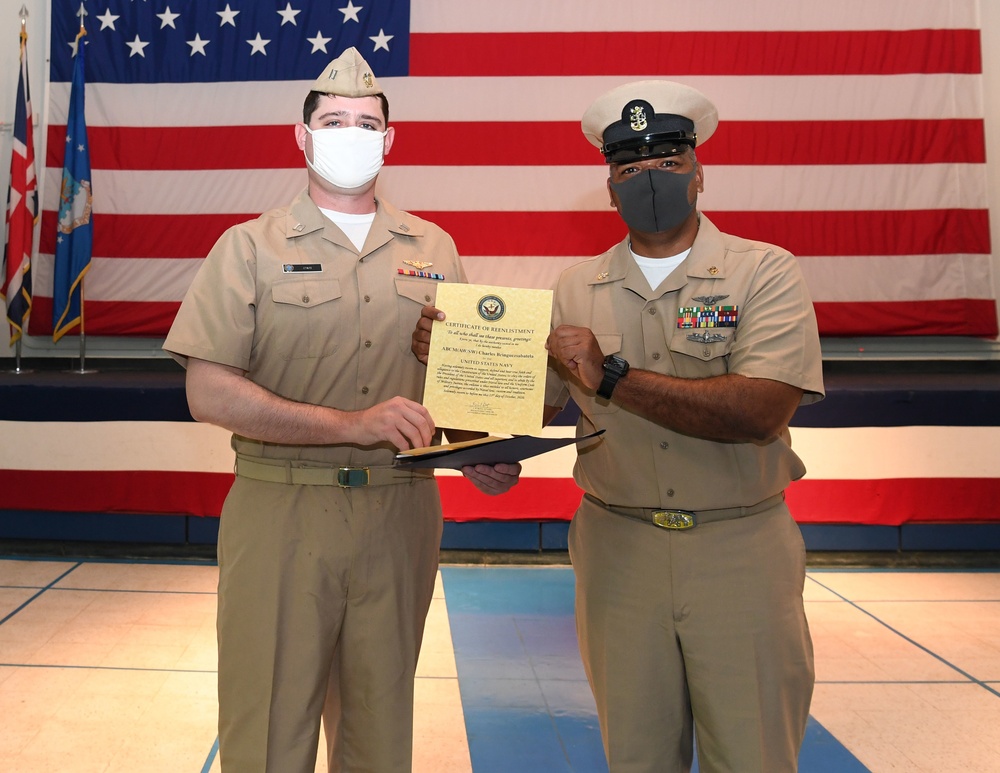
<point>685,519</point>
<point>345,477</point>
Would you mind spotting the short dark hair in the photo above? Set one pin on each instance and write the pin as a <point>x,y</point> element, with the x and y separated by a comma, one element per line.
<point>312,102</point>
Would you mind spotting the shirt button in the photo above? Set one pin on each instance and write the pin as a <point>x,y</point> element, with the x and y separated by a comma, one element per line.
<point>368,299</point>
<point>651,311</point>
<point>305,299</point>
<point>664,445</point>
<point>656,355</point>
<point>427,298</point>
<point>670,492</point>
<point>368,344</point>
<point>364,390</point>
<point>706,352</point>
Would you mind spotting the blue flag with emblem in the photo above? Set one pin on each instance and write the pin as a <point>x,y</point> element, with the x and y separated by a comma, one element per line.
<point>74,239</point>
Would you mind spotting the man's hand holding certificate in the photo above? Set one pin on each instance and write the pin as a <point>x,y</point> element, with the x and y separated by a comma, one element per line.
<point>486,365</point>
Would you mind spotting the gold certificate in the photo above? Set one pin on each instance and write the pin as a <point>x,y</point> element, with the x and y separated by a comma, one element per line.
<point>487,359</point>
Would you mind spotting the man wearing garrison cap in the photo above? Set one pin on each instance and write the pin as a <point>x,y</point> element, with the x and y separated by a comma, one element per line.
<point>692,348</point>
<point>295,334</point>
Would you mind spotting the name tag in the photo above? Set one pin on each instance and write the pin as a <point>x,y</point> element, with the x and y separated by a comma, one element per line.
<point>301,268</point>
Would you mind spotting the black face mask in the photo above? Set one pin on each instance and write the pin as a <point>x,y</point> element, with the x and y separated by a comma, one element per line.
<point>654,200</point>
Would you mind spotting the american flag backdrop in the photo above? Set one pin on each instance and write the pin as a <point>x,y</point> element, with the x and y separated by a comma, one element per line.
<point>851,133</point>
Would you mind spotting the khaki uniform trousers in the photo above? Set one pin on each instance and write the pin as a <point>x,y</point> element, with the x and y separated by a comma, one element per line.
<point>698,631</point>
<point>323,593</point>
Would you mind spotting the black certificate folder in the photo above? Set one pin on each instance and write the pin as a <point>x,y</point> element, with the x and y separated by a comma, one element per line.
<point>487,450</point>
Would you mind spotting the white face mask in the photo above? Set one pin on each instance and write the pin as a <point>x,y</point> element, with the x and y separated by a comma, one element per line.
<point>347,157</point>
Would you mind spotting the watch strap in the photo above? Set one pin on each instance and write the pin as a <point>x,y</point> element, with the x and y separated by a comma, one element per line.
<point>614,369</point>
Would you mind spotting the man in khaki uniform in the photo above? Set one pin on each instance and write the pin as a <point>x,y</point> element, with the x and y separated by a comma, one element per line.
<point>693,349</point>
<point>296,336</point>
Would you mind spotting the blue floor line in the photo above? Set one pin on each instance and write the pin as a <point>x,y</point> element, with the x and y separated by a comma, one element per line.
<point>909,640</point>
<point>40,592</point>
<point>526,700</point>
<point>68,666</point>
<point>211,756</point>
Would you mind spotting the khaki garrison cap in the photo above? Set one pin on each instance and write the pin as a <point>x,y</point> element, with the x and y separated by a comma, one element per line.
<point>648,119</point>
<point>348,76</point>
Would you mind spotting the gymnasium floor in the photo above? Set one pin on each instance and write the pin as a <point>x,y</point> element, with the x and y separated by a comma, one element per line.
<point>110,666</point>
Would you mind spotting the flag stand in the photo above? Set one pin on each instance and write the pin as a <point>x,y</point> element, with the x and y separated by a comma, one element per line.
<point>82,370</point>
<point>18,370</point>
<point>83,337</point>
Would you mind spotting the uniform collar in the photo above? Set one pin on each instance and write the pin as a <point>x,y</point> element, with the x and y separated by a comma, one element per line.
<point>707,257</point>
<point>705,261</point>
<point>305,217</point>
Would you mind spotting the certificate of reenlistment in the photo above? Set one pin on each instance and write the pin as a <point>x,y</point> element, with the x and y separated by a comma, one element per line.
<point>487,359</point>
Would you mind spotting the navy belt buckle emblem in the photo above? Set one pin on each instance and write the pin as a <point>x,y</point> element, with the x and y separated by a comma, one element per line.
<point>674,519</point>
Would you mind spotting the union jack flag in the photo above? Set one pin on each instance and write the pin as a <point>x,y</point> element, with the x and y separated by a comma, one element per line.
<point>22,207</point>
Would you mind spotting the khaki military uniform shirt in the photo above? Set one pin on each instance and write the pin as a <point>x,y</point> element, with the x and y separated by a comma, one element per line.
<point>288,298</point>
<point>641,464</point>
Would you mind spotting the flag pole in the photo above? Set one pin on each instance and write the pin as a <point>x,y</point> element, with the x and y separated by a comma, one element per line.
<point>83,334</point>
<point>17,346</point>
<point>83,303</point>
<point>18,370</point>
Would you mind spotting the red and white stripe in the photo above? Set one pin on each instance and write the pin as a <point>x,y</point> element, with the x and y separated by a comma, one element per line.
<point>852,136</point>
<point>931,474</point>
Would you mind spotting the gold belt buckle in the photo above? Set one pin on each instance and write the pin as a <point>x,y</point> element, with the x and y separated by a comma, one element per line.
<point>349,477</point>
<point>673,519</point>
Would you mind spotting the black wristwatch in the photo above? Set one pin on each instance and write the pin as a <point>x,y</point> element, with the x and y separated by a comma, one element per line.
<point>614,368</point>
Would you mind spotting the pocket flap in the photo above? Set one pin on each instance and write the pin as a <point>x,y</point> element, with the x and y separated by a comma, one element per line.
<point>610,343</point>
<point>422,292</point>
<point>306,293</point>
<point>702,349</point>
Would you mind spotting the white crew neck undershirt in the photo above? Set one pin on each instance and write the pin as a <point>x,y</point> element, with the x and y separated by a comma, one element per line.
<point>355,226</point>
<point>657,269</point>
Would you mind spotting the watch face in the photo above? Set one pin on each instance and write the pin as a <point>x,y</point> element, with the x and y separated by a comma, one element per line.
<point>615,364</point>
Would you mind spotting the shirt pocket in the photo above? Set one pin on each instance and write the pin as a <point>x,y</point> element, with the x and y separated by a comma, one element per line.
<point>610,343</point>
<point>411,296</point>
<point>306,315</point>
<point>699,359</point>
